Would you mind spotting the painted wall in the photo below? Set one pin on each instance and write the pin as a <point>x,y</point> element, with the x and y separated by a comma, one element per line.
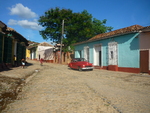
<point>27,53</point>
<point>149,59</point>
<point>79,48</point>
<point>145,40</point>
<point>33,53</point>
<point>128,50</point>
<point>145,43</point>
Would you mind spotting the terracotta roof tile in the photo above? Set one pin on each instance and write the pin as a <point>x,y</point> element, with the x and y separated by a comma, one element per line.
<point>145,29</point>
<point>30,47</point>
<point>130,29</point>
<point>45,44</point>
<point>10,29</point>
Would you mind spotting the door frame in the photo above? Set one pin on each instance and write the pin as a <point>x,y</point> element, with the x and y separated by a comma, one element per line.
<point>87,53</point>
<point>113,53</point>
<point>97,59</point>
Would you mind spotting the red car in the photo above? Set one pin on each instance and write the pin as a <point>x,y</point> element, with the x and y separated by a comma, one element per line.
<point>80,64</point>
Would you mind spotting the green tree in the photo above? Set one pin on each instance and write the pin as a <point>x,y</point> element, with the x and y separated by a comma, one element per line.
<point>99,27</point>
<point>78,26</point>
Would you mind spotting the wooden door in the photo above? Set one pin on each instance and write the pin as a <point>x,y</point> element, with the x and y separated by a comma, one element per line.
<point>100,58</point>
<point>144,59</point>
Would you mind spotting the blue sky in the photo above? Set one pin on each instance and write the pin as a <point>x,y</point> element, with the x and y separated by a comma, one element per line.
<point>22,15</point>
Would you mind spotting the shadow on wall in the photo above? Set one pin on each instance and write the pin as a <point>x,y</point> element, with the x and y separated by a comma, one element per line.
<point>48,54</point>
<point>131,39</point>
<point>134,45</point>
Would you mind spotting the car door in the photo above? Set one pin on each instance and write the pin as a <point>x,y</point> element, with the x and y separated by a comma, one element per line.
<point>73,64</point>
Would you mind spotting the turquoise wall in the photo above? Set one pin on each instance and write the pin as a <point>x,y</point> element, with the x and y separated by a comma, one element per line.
<point>128,50</point>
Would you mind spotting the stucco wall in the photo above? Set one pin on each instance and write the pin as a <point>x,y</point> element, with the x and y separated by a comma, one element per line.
<point>27,53</point>
<point>128,50</point>
<point>79,48</point>
<point>149,59</point>
<point>145,43</point>
<point>145,40</point>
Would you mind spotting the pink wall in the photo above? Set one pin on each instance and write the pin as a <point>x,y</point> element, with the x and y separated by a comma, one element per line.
<point>145,40</point>
<point>145,43</point>
<point>149,60</point>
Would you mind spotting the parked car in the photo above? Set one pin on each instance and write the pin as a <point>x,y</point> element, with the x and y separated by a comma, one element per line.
<point>80,64</point>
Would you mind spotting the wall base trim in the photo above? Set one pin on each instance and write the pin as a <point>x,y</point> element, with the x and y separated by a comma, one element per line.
<point>113,67</point>
<point>129,69</point>
<point>122,69</point>
<point>49,61</point>
<point>105,67</point>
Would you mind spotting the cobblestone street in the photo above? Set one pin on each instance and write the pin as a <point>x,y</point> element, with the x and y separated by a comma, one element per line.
<point>54,88</point>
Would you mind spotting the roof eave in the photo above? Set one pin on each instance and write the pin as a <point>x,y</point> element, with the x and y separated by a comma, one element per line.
<point>104,38</point>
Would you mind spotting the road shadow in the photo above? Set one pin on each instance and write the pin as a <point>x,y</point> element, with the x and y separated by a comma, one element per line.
<point>8,68</point>
<point>28,64</point>
<point>87,70</point>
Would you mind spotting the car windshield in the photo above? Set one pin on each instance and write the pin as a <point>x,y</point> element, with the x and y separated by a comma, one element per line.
<point>79,59</point>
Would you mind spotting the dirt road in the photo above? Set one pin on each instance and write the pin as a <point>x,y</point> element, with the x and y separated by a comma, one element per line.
<point>58,89</point>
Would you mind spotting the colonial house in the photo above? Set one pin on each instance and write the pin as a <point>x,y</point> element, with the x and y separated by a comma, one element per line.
<point>31,50</point>
<point>11,43</point>
<point>48,52</point>
<point>126,49</point>
<point>43,50</point>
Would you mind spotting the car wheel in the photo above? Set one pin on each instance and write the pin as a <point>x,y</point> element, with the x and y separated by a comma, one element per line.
<point>79,68</point>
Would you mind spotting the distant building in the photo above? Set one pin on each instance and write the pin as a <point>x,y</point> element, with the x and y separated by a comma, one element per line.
<point>31,50</point>
<point>45,51</point>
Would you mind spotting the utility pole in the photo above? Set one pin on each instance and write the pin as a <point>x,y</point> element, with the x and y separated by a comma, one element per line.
<point>61,42</point>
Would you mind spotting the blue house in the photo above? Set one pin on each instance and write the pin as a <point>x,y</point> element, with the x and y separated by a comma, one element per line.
<point>126,49</point>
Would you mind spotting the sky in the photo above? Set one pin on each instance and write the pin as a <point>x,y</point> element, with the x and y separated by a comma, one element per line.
<point>23,15</point>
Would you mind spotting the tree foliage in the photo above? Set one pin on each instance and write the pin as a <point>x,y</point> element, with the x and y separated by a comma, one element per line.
<point>78,26</point>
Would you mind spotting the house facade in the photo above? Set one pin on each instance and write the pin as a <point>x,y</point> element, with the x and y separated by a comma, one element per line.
<point>36,51</point>
<point>45,51</point>
<point>119,50</point>
<point>48,52</point>
<point>31,50</point>
<point>11,44</point>
<point>145,50</point>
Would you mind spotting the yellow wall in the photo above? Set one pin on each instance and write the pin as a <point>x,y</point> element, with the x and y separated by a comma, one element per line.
<point>27,53</point>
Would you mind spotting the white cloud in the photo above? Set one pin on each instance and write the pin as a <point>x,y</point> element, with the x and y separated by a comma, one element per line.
<point>22,11</point>
<point>12,22</point>
<point>25,24</point>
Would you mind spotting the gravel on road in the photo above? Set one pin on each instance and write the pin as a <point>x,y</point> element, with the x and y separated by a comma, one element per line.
<point>57,89</point>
